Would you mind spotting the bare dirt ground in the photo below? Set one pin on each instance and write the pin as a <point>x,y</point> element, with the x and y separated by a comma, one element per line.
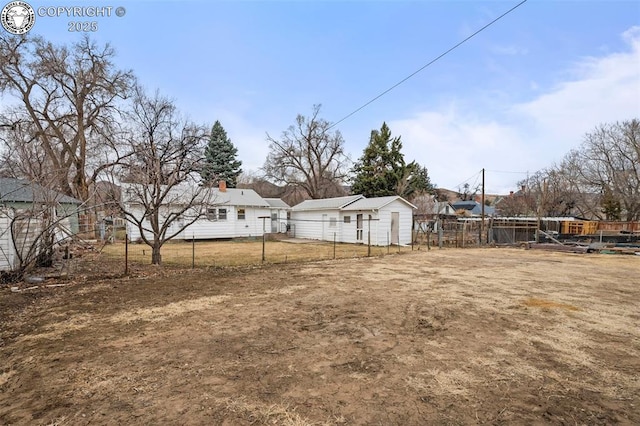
<point>491,336</point>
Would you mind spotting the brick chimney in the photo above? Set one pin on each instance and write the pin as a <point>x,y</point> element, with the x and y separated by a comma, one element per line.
<point>222,186</point>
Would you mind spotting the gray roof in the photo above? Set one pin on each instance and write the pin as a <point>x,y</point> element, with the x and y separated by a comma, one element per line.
<point>376,203</point>
<point>239,197</point>
<point>474,207</point>
<point>22,191</point>
<point>277,203</point>
<point>327,203</point>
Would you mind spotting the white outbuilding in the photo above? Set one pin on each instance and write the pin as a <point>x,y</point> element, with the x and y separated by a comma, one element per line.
<point>377,221</point>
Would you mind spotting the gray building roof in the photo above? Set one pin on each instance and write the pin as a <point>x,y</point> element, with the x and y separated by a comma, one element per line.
<point>239,197</point>
<point>474,207</point>
<point>327,203</point>
<point>375,203</point>
<point>277,203</point>
<point>182,194</point>
<point>22,191</point>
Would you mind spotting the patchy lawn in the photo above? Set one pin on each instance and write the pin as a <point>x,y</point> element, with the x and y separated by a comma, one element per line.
<point>475,336</point>
<point>244,252</point>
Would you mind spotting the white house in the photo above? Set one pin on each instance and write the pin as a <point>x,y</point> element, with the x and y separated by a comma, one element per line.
<point>355,219</point>
<point>228,213</point>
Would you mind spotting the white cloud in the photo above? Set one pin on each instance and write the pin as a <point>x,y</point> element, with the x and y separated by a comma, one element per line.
<point>454,143</point>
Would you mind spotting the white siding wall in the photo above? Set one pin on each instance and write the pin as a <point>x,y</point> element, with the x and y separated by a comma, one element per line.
<point>203,228</point>
<point>406,223</point>
<point>7,251</point>
<point>251,226</point>
<point>348,230</point>
<point>28,232</point>
<point>349,234</point>
<point>309,224</point>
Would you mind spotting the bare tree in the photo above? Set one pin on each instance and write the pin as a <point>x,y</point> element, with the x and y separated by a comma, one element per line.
<point>467,193</point>
<point>162,194</point>
<point>66,111</point>
<point>609,161</point>
<point>30,233</point>
<point>600,179</point>
<point>310,156</point>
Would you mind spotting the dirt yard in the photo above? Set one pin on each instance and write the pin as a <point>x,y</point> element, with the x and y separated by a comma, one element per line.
<point>491,336</point>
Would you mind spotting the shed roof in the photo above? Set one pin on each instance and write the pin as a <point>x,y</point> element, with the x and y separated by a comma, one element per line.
<point>22,191</point>
<point>327,203</point>
<point>277,203</point>
<point>376,203</point>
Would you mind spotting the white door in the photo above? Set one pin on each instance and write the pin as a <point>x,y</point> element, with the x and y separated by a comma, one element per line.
<point>395,228</point>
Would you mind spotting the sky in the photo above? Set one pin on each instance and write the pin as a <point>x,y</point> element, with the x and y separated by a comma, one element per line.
<point>512,100</point>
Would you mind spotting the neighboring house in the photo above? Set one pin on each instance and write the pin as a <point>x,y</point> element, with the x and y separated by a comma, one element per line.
<point>429,208</point>
<point>355,219</point>
<point>229,213</point>
<point>23,195</point>
<point>473,208</point>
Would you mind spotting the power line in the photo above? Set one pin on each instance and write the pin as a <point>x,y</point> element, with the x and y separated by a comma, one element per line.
<point>508,172</point>
<point>476,175</point>
<point>431,62</point>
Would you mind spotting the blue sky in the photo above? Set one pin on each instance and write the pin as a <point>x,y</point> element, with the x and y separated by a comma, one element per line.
<point>514,99</point>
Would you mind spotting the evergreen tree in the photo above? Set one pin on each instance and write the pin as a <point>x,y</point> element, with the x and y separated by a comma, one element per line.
<point>220,159</point>
<point>417,181</point>
<point>381,168</point>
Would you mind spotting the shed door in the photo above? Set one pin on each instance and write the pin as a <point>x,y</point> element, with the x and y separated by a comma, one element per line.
<point>359,227</point>
<point>274,222</point>
<point>395,228</point>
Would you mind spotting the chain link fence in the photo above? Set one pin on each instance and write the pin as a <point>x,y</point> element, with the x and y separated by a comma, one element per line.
<point>242,252</point>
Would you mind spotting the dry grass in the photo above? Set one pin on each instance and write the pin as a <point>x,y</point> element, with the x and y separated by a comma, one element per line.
<point>474,336</point>
<point>274,414</point>
<point>243,252</point>
<point>548,304</point>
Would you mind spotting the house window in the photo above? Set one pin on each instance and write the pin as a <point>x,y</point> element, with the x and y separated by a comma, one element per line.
<point>332,222</point>
<point>347,219</point>
<point>241,214</point>
<point>211,214</point>
<point>222,214</point>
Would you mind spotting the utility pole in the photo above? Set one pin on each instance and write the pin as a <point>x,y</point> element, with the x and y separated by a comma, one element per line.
<point>482,221</point>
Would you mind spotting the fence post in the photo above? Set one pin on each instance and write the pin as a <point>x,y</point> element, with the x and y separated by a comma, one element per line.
<point>193,251</point>
<point>334,245</point>
<point>369,238</point>
<point>126,253</point>
<point>388,242</point>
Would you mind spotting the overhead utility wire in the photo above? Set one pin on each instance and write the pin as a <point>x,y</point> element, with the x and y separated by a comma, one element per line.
<point>431,62</point>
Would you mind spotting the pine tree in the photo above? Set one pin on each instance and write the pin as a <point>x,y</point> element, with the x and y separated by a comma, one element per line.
<point>382,167</point>
<point>417,181</point>
<point>220,159</point>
